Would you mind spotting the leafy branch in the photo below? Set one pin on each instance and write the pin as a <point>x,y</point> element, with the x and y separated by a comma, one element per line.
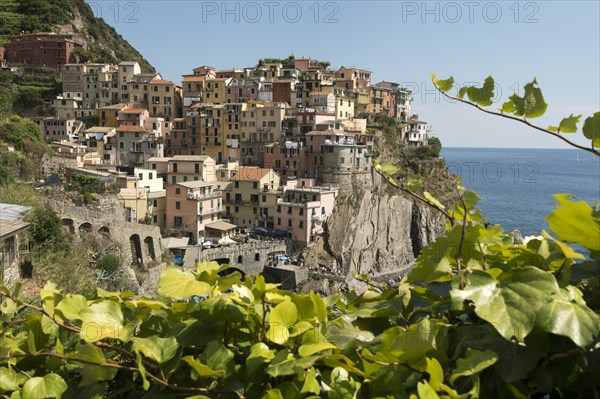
<point>531,105</point>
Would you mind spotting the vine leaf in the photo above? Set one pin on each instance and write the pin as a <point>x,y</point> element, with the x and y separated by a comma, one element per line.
<point>570,317</point>
<point>591,129</point>
<point>48,386</point>
<point>102,320</point>
<point>531,105</point>
<point>156,348</point>
<point>474,362</point>
<point>282,317</point>
<point>433,200</point>
<point>482,96</point>
<point>443,84</point>
<point>179,284</point>
<point>573,222</point>
<point>509,302</point>
<point>92,374</point>
<point>566,125</point>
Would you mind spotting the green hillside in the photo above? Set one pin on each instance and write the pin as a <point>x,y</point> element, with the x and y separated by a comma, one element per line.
<point>30,16</point>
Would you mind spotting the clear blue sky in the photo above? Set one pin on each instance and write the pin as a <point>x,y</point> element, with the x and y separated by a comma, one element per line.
<point>401,41</point>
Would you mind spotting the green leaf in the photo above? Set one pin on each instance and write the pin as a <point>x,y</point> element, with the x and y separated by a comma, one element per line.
<point>201,369</point>
<point>570,318</point>
<point>508,303</point>
<point>531,105</point>
<point>310,349</point>
<point>218,357</point>
<point>320,309</point>
<point>433,200</point>
<point>444,85</point>
<point>565,249</point>
<point>273,394</point>
<point>482,96</point>
<point>426,391</point>
<point>48,386</point>
<point>93,374</point>
<point>573,222</point>
<point>591,129</point>
<point>71,305</point>
<point>567,125</point>
<point>179,284</point>
<point>474,362</point>
<point>389,169</point>
<point>156,348</point>
<point>8,380</point>
<point>436,373</point>
<point>102,320</point>
<point>281,319</point>
<point>311,385</point>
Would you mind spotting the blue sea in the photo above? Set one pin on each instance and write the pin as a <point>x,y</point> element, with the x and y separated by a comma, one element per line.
<point>516,185</point>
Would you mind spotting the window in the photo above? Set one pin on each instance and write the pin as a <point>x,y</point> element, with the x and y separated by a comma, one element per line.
<point>237,184</point>
<point>177,205</point>
<point>255,184</point>
<point>290,223</point>
<point>301,211</point>
<point>174,168</point>
<point>177,190</point>
<point>301,224</point>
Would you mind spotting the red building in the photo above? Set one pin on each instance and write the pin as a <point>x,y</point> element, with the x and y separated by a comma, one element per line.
<point>44,49</point>
<point>282,91</point>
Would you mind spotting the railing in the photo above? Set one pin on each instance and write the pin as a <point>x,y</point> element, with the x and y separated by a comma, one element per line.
<point>198,196</point>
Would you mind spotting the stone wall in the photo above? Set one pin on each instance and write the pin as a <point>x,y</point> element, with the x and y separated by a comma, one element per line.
<point>250,258</point>
<point>139,244</point>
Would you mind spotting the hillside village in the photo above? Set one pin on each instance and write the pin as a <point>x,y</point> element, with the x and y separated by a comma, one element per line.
<point>263,150</point>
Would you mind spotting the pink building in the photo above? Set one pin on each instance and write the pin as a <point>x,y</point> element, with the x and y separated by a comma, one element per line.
<point>61,129</point>
<point>304,209</point>
<point>192,205</point>
<point>287,159</point>
<point>242,90</point>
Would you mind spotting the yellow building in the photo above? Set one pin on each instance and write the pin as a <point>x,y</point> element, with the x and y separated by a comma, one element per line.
<point>164,99</point>
<point>107,116</point>
<point>214,91</point>
<point>243,202</point>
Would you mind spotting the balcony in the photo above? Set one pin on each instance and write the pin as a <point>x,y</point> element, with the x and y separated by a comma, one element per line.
<point>209,211</point>
<point>199,196</point>
<point>135,149</point>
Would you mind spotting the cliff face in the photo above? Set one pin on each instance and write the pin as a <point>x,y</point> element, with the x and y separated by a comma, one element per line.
<point>376,230</point>
<point>380,231</point>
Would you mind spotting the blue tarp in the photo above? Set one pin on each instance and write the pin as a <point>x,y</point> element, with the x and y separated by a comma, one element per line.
<point>279,232</point>
<point>262,230</point>
<point>178,261</point>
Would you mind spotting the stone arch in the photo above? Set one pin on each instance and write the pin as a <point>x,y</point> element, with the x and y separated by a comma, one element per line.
<point>136,249</point>
<point>240,259</point>
<point>149,241</point>
<point>85,227</point>
<point>104,230</point>
<point>222,261</point>
<point>257,257</point>
<point>69,224</point>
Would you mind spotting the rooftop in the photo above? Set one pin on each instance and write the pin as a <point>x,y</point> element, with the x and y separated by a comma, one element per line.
<point>12,212</point>
<point>191,158</point>
<point>251,174</point>
<point>223,226</point>
<point>127,128</point>
<point>11,228</point>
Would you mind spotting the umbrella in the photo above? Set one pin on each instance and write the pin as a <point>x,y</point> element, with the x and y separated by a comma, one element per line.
<point>280,232</point>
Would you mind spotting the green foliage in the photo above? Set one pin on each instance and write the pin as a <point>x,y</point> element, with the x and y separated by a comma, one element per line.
<point>530,105</point>
<point>46,229</point>
<point>19,132</point>
<point>5,102</point>
<point>110,263</point>
<point>504,321</point>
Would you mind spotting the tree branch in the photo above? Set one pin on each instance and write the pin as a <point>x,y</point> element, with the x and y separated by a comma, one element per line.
<point>524,121</point>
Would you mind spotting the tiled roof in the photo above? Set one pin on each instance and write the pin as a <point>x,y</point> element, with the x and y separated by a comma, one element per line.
<point>127,128</point>
<point>133,110</point>
<point>194,78</point>
<point>251,174</point>
<point>160,82</point>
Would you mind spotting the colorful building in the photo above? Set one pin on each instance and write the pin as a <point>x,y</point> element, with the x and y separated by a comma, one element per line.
<point>43,49</point>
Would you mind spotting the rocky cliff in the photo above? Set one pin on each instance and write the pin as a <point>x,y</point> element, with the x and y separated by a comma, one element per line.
<point>377,230</point>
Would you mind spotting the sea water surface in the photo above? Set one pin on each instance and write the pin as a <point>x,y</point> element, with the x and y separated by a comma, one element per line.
<point>516,185</point>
